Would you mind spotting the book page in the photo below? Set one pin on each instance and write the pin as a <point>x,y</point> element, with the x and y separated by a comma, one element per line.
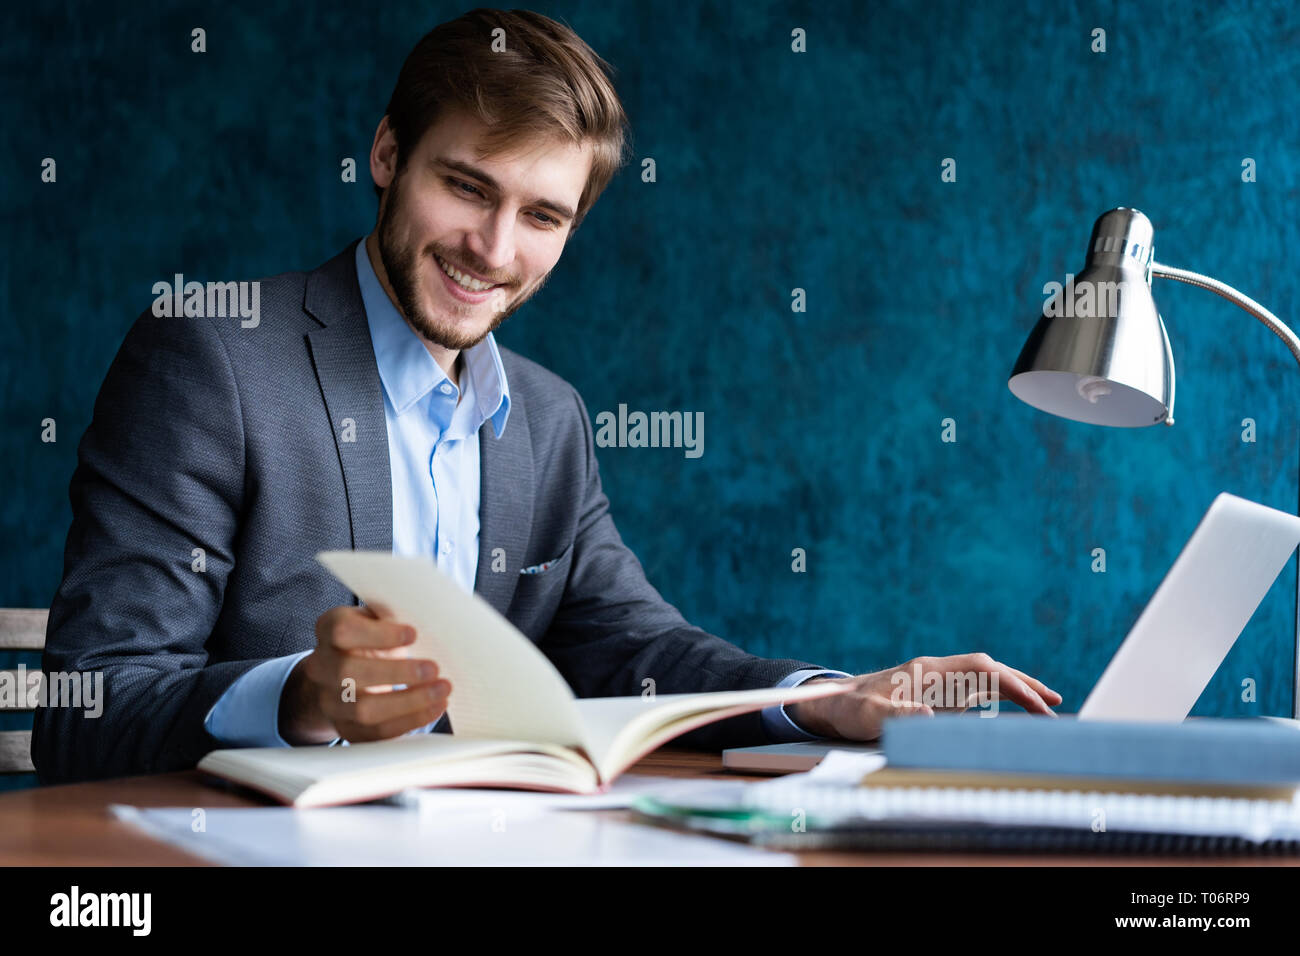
<point>503,687</point>
<point>621,729</point>
<point>302,766</point>
<point>308,776</point>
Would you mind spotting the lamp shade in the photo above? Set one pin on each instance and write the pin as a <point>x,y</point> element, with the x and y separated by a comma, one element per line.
<point>1099,352</point>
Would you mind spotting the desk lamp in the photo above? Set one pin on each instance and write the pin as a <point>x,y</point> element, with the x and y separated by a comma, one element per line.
<point>1100,353</point>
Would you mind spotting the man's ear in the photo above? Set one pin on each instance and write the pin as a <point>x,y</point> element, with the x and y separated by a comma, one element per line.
<point>383,155</point>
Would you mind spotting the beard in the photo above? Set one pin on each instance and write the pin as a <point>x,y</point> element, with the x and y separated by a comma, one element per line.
<point>402,263</point>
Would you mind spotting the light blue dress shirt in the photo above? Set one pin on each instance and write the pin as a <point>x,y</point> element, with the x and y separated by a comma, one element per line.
<point>433,440</point>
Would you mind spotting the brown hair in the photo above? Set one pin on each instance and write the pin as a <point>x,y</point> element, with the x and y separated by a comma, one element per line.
<point>547,82</point>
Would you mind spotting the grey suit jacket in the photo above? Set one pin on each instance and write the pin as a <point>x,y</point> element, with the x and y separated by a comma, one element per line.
<point>207,435</point>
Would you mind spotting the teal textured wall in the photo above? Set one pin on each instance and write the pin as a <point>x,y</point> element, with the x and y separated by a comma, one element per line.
<point>776,170</point>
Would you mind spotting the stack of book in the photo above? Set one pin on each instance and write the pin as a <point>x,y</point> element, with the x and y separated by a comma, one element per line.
<point>1028,783</point>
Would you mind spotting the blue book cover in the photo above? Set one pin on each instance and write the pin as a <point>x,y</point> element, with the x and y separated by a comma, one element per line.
<point>1198,750</point>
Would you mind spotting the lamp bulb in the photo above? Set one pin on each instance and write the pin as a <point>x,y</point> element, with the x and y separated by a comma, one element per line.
<point>1092,388</point>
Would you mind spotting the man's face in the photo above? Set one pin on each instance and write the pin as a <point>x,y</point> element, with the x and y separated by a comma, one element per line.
<point>493,219</point>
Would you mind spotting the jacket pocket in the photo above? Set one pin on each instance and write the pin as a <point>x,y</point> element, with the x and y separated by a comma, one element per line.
<point>548,567</point>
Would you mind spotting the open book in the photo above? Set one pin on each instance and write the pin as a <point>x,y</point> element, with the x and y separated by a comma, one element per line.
<point>516,722</point>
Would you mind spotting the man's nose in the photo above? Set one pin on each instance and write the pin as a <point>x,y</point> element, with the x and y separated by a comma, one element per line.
<point>494,242</point>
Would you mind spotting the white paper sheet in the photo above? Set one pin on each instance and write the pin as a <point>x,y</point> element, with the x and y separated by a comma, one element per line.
<point>845,766</point>
<point>378,835</point>
<point>446,801</point>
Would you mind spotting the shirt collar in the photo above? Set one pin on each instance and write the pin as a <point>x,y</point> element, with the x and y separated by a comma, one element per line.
<point>407,369</point>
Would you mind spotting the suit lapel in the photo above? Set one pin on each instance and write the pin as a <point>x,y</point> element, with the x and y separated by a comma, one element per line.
<point>506,504</point>
<point>344,358</point>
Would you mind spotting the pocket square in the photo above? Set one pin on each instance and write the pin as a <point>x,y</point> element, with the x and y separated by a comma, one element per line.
<point>539,568</point>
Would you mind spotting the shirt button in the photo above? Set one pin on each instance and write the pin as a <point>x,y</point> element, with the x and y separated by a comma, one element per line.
<point>446,547</point>
<point>444,388</point>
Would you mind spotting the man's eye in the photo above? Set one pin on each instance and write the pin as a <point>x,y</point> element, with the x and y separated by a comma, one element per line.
<point>457,184</point>
<point>545,219</point>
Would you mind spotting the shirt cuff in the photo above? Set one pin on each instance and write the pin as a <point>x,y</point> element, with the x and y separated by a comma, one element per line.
<point>248,713</point>
<point>778,724</point>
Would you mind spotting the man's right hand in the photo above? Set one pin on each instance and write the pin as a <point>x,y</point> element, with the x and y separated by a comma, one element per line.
<point>341,689</point>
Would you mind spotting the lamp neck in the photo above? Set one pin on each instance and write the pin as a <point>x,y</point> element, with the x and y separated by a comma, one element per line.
<point>1232,295</point>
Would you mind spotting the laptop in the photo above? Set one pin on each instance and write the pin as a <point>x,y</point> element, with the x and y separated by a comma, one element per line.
<point>1180,639</point>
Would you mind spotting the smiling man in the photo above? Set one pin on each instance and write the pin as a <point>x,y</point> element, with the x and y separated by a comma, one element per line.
<point>371,408</point>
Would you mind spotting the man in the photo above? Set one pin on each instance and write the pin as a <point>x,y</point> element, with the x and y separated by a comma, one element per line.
<point>370,408</point>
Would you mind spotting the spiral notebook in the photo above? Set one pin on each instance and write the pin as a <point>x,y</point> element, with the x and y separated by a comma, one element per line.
<point>818,811</point>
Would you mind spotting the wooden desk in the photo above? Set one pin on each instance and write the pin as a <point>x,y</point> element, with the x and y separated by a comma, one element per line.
<point>69,825</point>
